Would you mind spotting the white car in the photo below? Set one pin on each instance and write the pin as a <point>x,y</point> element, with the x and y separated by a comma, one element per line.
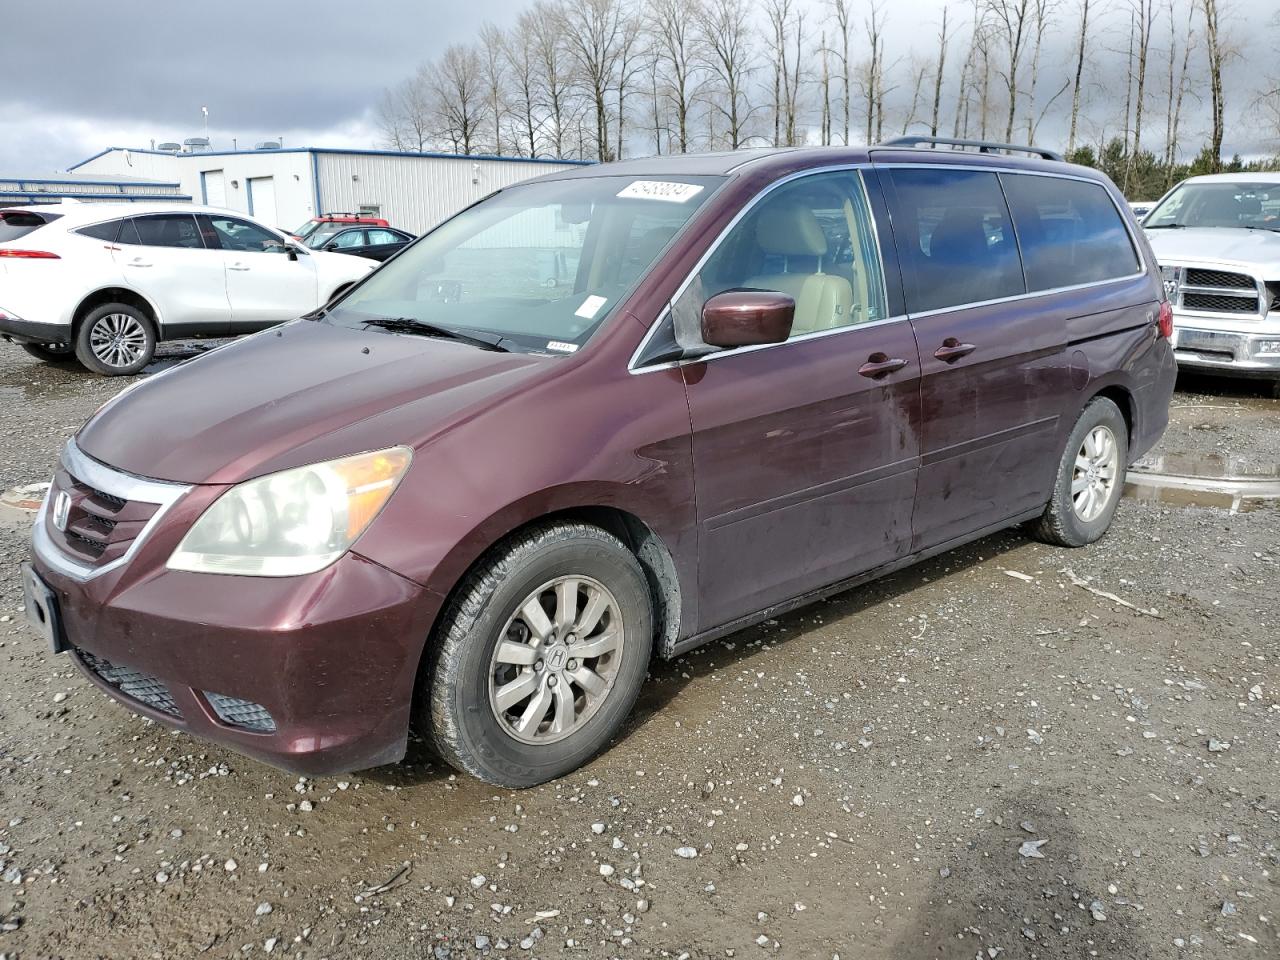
<point>106,281</point>
<point>1217,239</point>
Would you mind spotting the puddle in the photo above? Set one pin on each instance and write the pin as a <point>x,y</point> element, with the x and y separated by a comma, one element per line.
<point>1204,480</point>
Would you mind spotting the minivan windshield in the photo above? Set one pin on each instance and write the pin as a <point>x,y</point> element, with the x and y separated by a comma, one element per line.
<point>1241,204</point>
<point>540,265</point>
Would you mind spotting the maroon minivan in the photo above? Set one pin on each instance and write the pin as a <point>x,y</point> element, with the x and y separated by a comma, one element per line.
<point>612,412</point>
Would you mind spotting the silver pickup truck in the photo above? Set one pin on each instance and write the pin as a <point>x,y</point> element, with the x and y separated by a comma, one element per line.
<point>1217,239</point>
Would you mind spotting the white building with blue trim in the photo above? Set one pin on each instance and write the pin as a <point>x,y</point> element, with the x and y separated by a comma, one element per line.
<point>286,187</point>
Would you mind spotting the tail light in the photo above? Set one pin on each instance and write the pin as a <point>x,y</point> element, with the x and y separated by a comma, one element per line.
<point>1165,322</point>
<point>28,254</point>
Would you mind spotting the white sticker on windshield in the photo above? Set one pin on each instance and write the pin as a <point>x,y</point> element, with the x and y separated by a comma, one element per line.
<point>590,307</point>
<point>561,346</point>
<point>666,190</point>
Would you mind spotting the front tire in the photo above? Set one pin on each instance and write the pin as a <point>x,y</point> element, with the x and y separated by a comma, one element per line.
<point>541,656</point>
<point>116,340</point>
<point>1090,478</point>
<point>51,352</point>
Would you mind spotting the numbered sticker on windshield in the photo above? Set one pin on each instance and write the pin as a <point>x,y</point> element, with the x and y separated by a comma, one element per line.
<point>665,190</point>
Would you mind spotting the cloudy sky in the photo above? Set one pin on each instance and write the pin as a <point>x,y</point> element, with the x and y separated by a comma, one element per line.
<point>95,74</point>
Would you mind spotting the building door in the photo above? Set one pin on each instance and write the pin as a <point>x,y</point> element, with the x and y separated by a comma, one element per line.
<point>262,199</point>
<point>213,188</point>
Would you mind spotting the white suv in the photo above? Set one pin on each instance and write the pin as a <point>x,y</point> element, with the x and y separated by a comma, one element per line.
<point>107,281</point>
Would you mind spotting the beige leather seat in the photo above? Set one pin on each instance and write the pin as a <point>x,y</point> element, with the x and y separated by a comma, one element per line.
<point>790,230</point>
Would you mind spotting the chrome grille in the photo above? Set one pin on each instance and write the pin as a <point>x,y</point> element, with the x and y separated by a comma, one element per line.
<point>1219,303</point>
<point>1197,277</point>
<point>241,713</point>
<point>134,684</point>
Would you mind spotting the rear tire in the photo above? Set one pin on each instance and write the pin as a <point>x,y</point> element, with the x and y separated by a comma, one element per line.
<point>1090,478</point>
<point>116,340</point>
<point>516,697</point>
<point>51,352</point>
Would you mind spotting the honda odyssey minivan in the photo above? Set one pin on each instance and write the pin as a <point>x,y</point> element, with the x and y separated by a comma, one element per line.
<point>476,495</point>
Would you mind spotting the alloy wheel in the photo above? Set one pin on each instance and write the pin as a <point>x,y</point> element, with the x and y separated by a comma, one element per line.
<point>1095,473</point>
<point>556,660</point>
<point>118,340</point>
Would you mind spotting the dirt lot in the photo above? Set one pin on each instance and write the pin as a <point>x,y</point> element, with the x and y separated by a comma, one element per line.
<point>979,757</point>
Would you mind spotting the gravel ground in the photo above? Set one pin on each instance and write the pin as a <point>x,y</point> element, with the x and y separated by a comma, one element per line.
<point>979,757</point>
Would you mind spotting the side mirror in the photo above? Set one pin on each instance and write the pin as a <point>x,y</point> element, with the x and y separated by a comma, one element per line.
<point>331,246</point>
<point>745,318</point>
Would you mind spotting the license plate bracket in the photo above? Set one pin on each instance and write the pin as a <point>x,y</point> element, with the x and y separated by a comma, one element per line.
<point>43,610</point>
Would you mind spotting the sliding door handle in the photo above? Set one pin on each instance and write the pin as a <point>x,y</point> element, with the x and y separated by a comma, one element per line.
<point>952,350</point>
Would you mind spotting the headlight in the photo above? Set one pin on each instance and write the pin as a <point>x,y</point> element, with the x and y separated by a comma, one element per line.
<point>293,522</point>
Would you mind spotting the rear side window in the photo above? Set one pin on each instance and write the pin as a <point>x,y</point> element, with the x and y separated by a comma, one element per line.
<point>18,223</point>
<point>954,238</point>
<point>164,230</point>
<point>1069,230</point>
<point>102,231</point>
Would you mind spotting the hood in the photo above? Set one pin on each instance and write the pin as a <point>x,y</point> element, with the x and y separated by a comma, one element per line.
<point>1255,250</point>
<point>269,402</point>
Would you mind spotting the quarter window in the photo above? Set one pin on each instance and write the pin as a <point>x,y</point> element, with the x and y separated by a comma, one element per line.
<point>383,236</point>
<point>102,231</point>
<point>163,230</point>
<point>954,238</point>
<point>811,239</point>
<point>1069,231</point>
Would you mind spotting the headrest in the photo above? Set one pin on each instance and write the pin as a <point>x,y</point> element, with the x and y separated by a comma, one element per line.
<point>790,230</point>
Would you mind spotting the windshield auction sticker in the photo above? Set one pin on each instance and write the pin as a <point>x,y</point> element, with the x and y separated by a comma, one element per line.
<point>590,307</point>
<point>667,190</point>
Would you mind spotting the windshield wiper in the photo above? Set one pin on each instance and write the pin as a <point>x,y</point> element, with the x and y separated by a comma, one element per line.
<point>412,325</point>
<point>1164,226</point>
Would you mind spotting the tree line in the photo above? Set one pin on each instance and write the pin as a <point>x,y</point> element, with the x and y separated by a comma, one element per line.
<point>1114,81</point>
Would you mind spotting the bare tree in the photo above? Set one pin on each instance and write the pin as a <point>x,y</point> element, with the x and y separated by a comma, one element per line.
<point>675,47</point>
<point>1044,10</point>
<point>631,60</point>
<point>1144,12</point>
<point>872,80</point>
<point>458,89</point>
<point>553,74</point>
<point>841,11</point>
<point>1079,75</point>
<point>778,13</point>
<point>493,62</point>
<point>919,70</point>
<point>520,50</point>
<point>593,30</point>
<point>1178,89</point>
<point>937,75</point>
<point>1013,20</point>
<point>724,35</point>
<point>826,92</point>
<point>406,113</point>
<point>1218,55</point>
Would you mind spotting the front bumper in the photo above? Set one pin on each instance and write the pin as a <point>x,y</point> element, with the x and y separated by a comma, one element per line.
<point>33,331</point>
<point>1229,352</point>
<point>312,674</point>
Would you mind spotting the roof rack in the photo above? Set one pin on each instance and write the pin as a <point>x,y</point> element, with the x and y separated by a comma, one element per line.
<point>984,146</point>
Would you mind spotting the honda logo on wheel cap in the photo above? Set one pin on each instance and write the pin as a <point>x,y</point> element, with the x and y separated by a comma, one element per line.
<point>61,509</point>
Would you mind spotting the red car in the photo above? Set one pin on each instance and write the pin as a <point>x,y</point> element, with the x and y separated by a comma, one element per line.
<point>614,412</point>
<point>317,229</point>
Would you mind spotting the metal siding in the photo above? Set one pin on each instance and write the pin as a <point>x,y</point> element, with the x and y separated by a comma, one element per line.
<point>416,193</point>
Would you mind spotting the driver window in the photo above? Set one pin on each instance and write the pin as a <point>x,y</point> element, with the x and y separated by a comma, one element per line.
<point>244,237</point>
<point>811,239</point>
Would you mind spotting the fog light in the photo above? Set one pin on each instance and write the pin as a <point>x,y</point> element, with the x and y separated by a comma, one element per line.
<point>1268,346</point>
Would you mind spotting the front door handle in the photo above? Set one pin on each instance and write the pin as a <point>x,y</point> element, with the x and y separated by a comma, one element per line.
<point>952,350</point>
<point>237,266</point>
<point>139,262</point>
<point>880,365</point>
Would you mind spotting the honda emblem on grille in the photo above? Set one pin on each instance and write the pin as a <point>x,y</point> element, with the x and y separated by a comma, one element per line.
<point>61,509</point>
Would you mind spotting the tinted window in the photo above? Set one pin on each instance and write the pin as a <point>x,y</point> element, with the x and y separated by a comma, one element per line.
<point>102,231</point>
<point>165,230</point>
<point>810,239</point>
<point>245,237</point>
<point>1069,231</point>
<point>954,238</point>
<point>18,223</point>
<point>347,240</point>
